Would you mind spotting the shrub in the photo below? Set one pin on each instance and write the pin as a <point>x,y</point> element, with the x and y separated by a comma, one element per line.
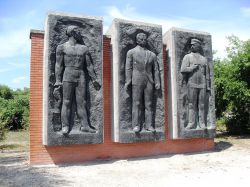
<point>232,86</point>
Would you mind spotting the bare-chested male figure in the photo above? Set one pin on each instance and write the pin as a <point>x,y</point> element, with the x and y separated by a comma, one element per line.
<point>71,60</point>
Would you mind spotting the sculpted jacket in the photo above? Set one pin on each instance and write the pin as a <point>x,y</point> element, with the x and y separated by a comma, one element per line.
<point>198,77</point>
<point>141,67</point>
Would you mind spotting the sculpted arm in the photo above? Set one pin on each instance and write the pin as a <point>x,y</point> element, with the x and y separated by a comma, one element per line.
<point>90,67</point>
<point>128,69</point>
<point>91,71</point>
<point>59,67</point>
<point>208,77</point>
<point>156,73</point>
<point>185,66</point>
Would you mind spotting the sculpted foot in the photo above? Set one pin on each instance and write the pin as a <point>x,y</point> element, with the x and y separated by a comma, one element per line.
<point>87,129</point>
<point>151,129</point>
<point>203,126</point>
<point>65,130</point>
<point>136,129</point>
<point>190,126</point>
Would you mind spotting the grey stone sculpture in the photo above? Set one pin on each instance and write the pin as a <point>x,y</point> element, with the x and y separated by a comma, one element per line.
<point>72,88</point>
<point>142,72</point>
<point>196,76</point>
<point>138,88</point>
<point>191,92</point>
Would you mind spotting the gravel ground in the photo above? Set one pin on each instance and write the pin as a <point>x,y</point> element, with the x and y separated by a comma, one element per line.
<point>227,165</point>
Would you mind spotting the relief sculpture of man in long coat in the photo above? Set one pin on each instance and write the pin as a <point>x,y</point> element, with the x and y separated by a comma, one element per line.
<point>195,71</point>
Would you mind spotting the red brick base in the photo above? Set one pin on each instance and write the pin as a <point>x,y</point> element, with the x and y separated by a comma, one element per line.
<point>40,154</point>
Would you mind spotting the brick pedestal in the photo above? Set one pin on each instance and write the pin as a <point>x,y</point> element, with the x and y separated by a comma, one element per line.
<point>40,154</point>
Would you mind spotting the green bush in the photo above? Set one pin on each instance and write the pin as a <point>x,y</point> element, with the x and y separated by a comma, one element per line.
<point>14,109</point>
<point>2,131</point>
<point>232,86</point>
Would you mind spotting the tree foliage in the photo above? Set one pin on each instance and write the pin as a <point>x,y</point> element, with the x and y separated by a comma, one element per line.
<point>14,109</point>
<point>232,86</point>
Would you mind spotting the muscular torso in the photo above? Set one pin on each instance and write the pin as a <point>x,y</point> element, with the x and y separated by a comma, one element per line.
<point>74,59</point>
<point>74,56</point>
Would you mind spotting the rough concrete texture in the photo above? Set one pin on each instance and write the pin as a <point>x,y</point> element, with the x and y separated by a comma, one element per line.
<point>91,36</point>
<point>178,45</point>
<point>123,38</point>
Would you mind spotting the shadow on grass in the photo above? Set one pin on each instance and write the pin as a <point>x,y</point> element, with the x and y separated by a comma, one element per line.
<point>14,171</point>
<point>9,146</point>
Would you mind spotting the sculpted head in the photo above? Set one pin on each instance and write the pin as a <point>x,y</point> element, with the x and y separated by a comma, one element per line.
<point>73,31</point>
<point>195,45</point>
<point>141,39</point>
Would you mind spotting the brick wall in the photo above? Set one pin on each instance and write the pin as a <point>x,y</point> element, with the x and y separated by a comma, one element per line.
<point>40,154</point>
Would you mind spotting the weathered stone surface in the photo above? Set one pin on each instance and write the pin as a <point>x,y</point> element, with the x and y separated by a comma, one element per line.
<point>72,96</point>
<point>190,81</point>
<point>138,87</point>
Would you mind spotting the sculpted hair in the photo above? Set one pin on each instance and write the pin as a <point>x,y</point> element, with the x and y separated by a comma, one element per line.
<point>70,29</point>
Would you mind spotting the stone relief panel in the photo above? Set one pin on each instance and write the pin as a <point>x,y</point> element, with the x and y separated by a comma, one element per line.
<point>73,110</point>
<point>190,58</point>
<point>138,90</point>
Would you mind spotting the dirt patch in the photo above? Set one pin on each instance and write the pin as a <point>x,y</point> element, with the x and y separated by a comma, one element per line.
<point>227,165</point>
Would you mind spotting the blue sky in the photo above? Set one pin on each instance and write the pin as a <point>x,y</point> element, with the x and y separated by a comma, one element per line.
<point>221,18</point>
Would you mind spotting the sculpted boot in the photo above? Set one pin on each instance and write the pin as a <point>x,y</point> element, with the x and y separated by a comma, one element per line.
<point>150,128</point>
<point>87,129</point>
<point>191,119</point>
<point>65,130</point>
<point>136,129</point>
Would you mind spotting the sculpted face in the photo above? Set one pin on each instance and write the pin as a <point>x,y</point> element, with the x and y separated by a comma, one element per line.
<point>75,32</point>
<point>195,47</point>
<point>141,39</point>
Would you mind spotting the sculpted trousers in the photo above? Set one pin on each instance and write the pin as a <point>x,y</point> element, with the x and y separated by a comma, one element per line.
<point>71,90</point>
<point>196,104</point>
<point>140,91</point>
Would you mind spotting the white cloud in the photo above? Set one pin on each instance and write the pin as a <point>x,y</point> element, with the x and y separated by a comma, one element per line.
<point>130,13</point>
<point>14,43</point>
<point>18,80</point>
<point>21,64</point>
<point>4,70</point>
<point>14,34</point>
<point>218,29</point>
<point>245,11</point>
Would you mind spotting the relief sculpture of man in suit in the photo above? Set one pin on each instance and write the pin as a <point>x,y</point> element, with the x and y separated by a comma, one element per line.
<point>142,72</point>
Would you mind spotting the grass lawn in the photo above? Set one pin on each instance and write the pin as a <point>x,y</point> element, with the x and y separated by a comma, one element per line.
<point>16,141</point>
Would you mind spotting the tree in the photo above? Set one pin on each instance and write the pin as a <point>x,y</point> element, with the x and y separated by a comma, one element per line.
<point>14,109</point>
<point>232,86</point>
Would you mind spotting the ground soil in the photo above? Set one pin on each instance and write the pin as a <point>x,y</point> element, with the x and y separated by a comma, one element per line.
<point>227,165</point>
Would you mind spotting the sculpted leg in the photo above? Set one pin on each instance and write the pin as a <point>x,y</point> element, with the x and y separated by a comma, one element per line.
<point>137,93</point>
<point>81,107</point>
<point>201,106</point>
<point>192,108</point>
<point>148,97</point>
<point>68,91</point>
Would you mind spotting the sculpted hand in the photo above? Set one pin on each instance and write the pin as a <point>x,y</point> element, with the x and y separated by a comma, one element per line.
<point>57,84</point>
<point>57,93</point>
<point>96,85</point>
<point>127,84</point>
<point>194,66</point>
<point>157,86</point>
